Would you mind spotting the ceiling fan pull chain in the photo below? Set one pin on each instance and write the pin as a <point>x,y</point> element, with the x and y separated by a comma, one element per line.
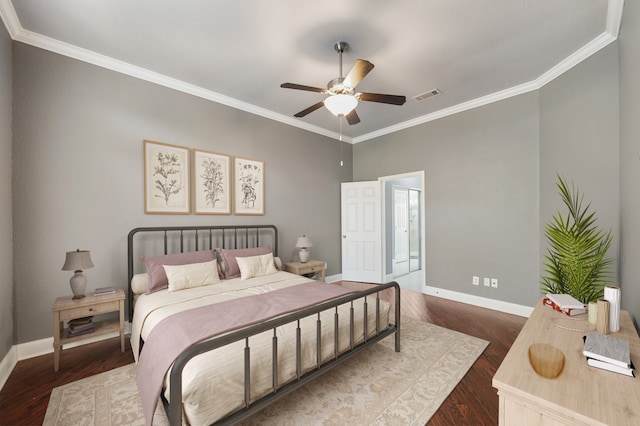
<point>341,157</point>
<point>340,48</point>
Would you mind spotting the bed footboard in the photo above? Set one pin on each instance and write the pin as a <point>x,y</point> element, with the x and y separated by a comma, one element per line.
<point>173,406</point>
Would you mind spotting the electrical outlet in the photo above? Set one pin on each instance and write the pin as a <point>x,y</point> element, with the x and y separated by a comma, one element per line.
<point>487,282</point>
<point>494,282</point>
<point>476,280</point>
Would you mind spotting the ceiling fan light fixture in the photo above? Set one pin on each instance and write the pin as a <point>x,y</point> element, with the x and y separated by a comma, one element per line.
<point>340,104</point>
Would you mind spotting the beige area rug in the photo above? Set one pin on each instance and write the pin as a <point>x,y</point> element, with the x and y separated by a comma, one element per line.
<point>377,386</point>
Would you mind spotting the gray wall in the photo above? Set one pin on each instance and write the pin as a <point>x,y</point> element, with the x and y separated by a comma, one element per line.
<point>481,194</point>
<point>78,132</point>
<point>488,170</point>
<point>491,173</point>
<point>630,159</point>
<point>579,134</point>
<point>6,251</point>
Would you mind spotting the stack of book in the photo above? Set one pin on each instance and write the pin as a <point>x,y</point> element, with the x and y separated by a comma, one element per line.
<point>608,353</point>
<point>564,303</point>
<point>103,291</point>
<point>80,326</point>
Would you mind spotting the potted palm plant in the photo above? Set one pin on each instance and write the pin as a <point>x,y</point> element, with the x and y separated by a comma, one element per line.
<point>575,260</point>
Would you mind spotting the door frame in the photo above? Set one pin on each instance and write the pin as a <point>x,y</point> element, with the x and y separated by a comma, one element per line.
<point>386,253</point>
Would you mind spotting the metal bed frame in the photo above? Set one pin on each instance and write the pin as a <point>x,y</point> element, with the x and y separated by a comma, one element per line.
<point>247,234</point>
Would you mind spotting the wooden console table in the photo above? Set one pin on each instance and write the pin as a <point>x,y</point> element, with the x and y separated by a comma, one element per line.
<point>581,394</point>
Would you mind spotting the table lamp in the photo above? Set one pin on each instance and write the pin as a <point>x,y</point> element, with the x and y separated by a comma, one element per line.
<point>302,244</point>
<point>77,261</point>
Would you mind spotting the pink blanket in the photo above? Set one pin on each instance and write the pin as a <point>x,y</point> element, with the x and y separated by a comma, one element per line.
<point>176,333</point>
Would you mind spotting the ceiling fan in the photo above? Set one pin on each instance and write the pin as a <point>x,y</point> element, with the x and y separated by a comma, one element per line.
<point>343,99</point>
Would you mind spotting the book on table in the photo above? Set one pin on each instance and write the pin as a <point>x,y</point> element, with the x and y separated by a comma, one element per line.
<point>82,325</point>
<point>565,301</point>
<point>78,327</point>
<point>103,291</point>
<point>80,330</point>
<point>567,311</point>
<point>80,321</point>
<point>607,349</point>
<point>611,367</point>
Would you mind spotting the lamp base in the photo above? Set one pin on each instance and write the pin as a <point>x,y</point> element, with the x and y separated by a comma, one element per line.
<point>78,283</point>
<point>304,255</point>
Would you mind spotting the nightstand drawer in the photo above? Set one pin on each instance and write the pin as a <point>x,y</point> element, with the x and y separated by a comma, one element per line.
<point>309,269</point>
<point>85,311</point>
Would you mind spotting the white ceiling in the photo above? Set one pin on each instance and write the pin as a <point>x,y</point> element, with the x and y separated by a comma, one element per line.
<point>238,52</point>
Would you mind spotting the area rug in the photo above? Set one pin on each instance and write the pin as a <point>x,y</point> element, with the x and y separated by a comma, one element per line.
<point>377,386</point>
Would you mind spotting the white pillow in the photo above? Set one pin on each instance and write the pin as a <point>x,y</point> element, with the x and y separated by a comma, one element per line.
<point>191,275</point>
<point>256,266</point>
<point>140,283</point>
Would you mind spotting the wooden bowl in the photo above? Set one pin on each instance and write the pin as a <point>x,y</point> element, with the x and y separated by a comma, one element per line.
<point>546,360</point>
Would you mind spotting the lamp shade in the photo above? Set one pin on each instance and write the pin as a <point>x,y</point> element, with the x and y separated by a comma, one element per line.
<point>340,104</point>
<point>304,242</point>
<point>77,261</point>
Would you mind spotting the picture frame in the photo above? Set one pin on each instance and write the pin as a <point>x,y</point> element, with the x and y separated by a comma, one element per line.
<point>248,192</point>
<point>211,182</point>
<point>166,178</point>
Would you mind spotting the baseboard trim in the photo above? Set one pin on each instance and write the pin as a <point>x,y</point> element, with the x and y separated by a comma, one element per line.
<point>7,365</point>
<point>45,346</point>
<point>483,302</point>
<point>35,348</point>
<point>333,278</point>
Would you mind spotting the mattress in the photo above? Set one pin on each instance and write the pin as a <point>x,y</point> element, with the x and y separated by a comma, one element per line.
<point>213,383</point>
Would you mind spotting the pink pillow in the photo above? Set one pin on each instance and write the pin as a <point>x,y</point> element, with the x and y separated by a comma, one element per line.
<point>231,268</point>
<point>157,275</point>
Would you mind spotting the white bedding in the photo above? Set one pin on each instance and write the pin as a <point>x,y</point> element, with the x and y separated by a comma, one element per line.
<point>213,383</point>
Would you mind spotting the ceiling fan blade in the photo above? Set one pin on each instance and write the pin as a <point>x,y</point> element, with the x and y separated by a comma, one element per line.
<point>352,117</point>
<point>302,87</point>
<point>310,109</point>
<point>382,98</point>
<point>359,71</point>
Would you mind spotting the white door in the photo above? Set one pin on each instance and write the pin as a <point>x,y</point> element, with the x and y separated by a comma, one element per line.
<point>362,231</point>
<point>400,231</point>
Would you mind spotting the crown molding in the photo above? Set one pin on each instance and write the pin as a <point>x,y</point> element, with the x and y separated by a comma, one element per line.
<point>614,17</point>
<point>9,18</point>
<point>14,27</point>
<point>571,61</point>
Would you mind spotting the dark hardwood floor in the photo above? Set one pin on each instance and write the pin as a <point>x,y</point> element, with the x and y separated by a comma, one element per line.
<point>24,397</point>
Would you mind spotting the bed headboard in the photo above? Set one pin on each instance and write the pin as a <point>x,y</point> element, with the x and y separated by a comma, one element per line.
<point>156,241</point>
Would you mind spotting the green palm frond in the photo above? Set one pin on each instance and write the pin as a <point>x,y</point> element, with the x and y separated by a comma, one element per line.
<point>575,261</point>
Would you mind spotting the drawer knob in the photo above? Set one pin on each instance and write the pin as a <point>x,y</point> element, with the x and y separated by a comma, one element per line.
<point>90,309</point>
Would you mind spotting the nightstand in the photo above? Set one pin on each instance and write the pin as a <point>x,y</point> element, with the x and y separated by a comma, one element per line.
<point>315,267</point>
<point>66,308</point>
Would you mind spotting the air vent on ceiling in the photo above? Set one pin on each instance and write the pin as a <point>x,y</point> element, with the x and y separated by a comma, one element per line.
<point>426,95</point>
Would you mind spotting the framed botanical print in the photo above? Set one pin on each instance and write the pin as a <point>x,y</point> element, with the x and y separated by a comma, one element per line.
<point>248,190</point>
<point>211,182</point>
<point>166,178</point>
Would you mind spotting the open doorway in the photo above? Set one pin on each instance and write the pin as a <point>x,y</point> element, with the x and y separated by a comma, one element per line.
<point>404,229</point>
